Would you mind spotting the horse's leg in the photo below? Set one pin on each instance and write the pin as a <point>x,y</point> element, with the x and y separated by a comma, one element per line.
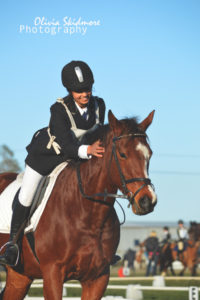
<point>94,289</point>
<point>193,270</point>
<point>17,286</point>
<point>172,270</point>
<point>1,294</point>
<point>183,271</point>
<point>52,283</point>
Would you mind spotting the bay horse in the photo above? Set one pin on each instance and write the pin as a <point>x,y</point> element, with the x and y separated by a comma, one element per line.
<point>166,258</point>
<point>188,257</point>
<point>194,230</point>
<point>78,233</point>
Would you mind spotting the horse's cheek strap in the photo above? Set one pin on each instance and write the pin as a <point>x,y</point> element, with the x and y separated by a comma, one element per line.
<point>123,180</point>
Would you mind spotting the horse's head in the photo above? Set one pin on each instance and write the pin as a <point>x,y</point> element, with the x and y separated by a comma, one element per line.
<point>130,164</point>
<point>194,231</point>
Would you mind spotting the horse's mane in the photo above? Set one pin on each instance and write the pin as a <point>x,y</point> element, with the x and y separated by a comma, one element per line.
<point>128,125</point>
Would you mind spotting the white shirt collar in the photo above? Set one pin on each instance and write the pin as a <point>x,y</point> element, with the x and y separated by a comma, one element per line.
<point>81,110</point>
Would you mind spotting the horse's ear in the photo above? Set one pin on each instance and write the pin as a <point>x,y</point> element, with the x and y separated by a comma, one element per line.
<point>113,122</point>
<point>146,122</point>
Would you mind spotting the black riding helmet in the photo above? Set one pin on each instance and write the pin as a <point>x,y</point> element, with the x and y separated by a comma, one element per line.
<point>77,76</point>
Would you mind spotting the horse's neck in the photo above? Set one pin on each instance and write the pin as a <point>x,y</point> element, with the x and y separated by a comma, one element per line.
<point>95,179</point>
<point>97,174</point>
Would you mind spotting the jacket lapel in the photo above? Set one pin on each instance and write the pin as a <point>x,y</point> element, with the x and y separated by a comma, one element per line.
<point>79,120</point>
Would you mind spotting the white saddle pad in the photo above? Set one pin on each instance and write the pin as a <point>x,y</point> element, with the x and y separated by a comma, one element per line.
<point>7,196</point>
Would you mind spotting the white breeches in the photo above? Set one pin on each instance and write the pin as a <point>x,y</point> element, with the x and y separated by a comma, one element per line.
<point>29,186</point>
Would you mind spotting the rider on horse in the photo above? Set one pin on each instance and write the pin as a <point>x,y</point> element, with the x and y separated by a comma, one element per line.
<point>166,236</point>
<point>182,238</point>
<point>71,118</point>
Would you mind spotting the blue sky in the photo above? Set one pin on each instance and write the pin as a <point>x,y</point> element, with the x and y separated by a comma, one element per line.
<point>145,55</point>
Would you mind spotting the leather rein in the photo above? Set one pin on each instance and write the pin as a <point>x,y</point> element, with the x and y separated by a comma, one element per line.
<point>127,194</point>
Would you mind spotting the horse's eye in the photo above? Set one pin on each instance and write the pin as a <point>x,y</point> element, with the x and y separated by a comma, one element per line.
<point>123,155</point>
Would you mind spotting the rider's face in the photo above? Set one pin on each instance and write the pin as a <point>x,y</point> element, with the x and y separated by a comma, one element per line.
<point>82,98</point>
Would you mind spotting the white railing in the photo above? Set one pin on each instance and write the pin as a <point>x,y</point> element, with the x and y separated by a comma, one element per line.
<point>39,284</point>
<point>123,287</point>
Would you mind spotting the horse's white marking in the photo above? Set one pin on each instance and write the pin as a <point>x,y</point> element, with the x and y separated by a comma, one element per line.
<point>145,151</point>
<point>154,197</point>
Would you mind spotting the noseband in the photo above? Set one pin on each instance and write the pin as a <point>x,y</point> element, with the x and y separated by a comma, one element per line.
<point>127,194</point>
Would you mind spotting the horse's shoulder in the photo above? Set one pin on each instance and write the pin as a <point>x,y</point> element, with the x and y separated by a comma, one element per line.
<point>112,222</point>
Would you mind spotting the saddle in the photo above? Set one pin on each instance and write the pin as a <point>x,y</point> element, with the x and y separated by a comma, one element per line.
<point>180,245</point>
<point>38,205</point>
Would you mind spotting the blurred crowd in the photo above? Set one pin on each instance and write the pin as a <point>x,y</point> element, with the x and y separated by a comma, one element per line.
<point>159,255</point>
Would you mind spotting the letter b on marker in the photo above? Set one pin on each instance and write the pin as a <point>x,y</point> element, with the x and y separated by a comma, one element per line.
<point>193,293</point>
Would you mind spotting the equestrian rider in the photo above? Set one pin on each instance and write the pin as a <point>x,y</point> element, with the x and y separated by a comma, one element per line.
<point>182,238</point>
<point>181,231</point>
<point>166,235</point>
<point>71,117</point>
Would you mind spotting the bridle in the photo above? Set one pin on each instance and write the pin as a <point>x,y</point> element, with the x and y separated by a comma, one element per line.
<point>127,194</point>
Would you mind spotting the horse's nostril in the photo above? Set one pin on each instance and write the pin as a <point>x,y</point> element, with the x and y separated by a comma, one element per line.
<point>145,203</point>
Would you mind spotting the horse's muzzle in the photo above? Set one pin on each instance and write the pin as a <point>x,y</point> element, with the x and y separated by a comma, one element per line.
<point>144,206</point>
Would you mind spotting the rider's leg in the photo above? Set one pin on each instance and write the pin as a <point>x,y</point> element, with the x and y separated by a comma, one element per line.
<point>23,200</point>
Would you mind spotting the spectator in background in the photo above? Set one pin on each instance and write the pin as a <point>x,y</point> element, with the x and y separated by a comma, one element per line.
<point>152,247</point>
<point>129,258</point>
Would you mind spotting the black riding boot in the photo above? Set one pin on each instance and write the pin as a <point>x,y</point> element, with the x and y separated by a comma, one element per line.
<point>20,214</point>
<point>115,259</point>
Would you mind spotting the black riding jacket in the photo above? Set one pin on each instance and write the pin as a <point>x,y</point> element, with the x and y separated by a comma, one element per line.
<point>44,160</point>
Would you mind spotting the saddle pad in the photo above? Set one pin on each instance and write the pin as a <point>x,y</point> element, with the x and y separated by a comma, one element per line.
<point>7,196</point>
<point>180,245</point>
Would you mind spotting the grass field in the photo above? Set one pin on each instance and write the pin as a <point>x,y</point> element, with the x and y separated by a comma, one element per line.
<point>147,295</point>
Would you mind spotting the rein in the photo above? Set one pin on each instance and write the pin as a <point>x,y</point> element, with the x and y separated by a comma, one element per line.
<point>126,193</point>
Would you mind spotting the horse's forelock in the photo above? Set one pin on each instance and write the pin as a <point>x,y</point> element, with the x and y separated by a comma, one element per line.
<point>130,125</point>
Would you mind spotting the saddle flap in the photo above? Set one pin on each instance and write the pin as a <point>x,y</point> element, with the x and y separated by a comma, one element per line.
<point>39,202</point>
<point>180,245</point>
